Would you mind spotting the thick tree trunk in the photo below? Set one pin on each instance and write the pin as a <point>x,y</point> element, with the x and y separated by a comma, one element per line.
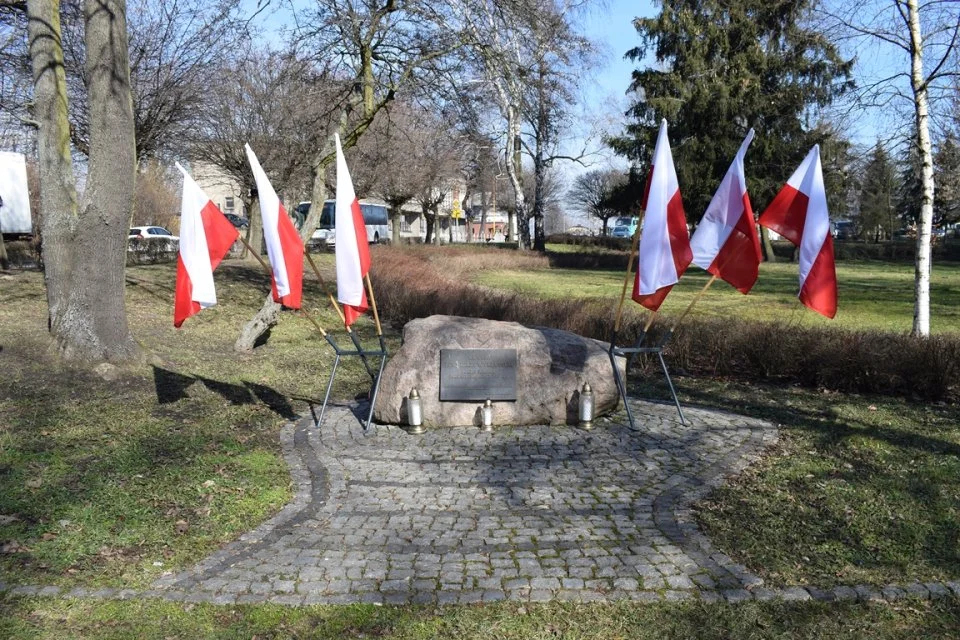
<point>921,307</point>
<point>58,195</point>
<point>93,324</point>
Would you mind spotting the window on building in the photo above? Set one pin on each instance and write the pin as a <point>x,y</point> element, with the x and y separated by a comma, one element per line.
<point>228,203</point>
<point>405,224</point>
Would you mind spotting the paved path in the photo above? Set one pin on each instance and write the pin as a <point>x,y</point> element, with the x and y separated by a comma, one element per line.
<point>457,515</point>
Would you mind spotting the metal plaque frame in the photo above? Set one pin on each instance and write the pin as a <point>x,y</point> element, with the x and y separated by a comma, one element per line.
<point>502,387</point>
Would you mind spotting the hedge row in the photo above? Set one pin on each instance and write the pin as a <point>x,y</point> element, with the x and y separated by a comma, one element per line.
<point>413,284</point>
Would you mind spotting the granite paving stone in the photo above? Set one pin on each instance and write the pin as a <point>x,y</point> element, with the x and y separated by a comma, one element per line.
<point>456,516</point>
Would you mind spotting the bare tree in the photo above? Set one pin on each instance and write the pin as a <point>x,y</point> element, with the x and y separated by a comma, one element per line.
<point>280,104</point>
<point>85,244</point>
<point>375,49</point>
<point>591,191</point>
<point>932,31</point>
<point>177,48</point>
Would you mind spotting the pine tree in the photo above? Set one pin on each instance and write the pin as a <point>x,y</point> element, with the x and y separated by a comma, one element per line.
<point>946,167</point>
<point>877,196</point>
<point>724,67</point>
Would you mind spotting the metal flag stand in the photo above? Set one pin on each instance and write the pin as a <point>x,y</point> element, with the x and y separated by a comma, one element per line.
<point>362,353</point>
<point>638,347</point>
<point>357,351</point>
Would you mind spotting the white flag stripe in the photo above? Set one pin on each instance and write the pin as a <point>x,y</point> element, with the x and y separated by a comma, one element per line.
<point>723,213</point>
<point>349,276</point>
<point>193,242</point>
<point>656,266</point>
<point>808,179</point>
<point>270,216</point>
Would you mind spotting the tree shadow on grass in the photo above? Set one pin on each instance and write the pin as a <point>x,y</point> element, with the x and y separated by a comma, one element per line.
<point>172,387</point>
<point>859,495</point>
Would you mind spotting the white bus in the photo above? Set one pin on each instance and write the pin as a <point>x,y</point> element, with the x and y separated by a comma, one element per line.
<point>375,219</point>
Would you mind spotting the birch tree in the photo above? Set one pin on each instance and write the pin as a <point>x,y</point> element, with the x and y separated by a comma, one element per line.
<point>927,38</point>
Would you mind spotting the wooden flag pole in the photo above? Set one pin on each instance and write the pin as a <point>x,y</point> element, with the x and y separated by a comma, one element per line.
<point>692,303</point>
<point>323,284</point>
<point>650,319</point>
<point>626,278</point>
<point>373,304</point>
<point>266,267</point>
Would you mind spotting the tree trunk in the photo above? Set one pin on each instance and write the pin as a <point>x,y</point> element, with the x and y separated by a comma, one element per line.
<point>767,245</point>
<point>518,217</point>
<point>539,173</point>
<point>58,195</point>
<point>263,321</point>
<point>255,228</point>
<point>921,307</point>
<point>395,230</point>
<point>483,216</point>
<point>93,325</point>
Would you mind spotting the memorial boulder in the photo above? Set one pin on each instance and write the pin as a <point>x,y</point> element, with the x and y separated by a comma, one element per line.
<point>533,374</point>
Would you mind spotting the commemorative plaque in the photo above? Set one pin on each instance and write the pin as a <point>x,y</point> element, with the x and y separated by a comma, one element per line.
<point>477,374</point>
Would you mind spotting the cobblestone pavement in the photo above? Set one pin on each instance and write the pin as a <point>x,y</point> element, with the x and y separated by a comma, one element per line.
<point>457,515</point>
<point>461,516</point>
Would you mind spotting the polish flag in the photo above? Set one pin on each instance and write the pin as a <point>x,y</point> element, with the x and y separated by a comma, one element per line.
<point>799,214</point>
<point>725,242</point>
<point>284,247</point>
<point>353,252</point>
<point>664,252</point>
<point>205,238</point>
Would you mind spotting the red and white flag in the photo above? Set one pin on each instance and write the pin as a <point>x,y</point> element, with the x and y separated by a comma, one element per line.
<point>205,238</point>
<point>353,252</point>
<point>284,247</point>
<point>725,242</point>
<point>664,252</point>
<point>799,214</point>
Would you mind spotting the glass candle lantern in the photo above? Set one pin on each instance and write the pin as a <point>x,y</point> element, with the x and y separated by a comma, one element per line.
<point>586,407</point>
<point>415,412</point>
<point>486,415</point>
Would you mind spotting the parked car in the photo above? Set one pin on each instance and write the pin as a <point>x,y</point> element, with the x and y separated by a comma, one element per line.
<point>152,238</point>
<point>238,221</point>
<point>151,232</point>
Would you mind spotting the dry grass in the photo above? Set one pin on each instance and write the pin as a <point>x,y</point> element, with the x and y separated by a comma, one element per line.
<point>421,282</point>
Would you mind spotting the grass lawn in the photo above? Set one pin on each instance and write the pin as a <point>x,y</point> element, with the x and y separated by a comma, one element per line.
<point>113,482</point>
<point>871,295</point>
<point>56,619</point>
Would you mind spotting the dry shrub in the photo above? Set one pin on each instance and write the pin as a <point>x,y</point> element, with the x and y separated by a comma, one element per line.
<point>156,200</point>
<point>416,283</point>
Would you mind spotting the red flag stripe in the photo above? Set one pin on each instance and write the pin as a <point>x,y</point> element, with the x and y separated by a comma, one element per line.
<point>787,214</point>
<point>679,236</point>
<point>819,290</point>
<point>293,259</point>
<point>731,263</point>
<point>183,304</point>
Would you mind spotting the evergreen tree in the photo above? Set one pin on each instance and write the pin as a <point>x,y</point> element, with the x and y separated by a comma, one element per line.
<point>910,189</point>
<point>877,196</point>
<point>946,167</point>
<point>724,67</point>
